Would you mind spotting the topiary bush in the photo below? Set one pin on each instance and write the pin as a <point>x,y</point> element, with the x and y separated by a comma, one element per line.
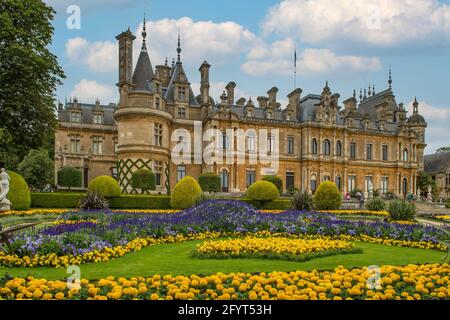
<point>143,179</point>
<point>302,201</point>
<point>185,193</point>
<point>18,194</point>
<point>106,186</point>
<point>401,210</point>
<point>69,177</point>
<point>327,197</point>
<point>276,181</point>
<point>263,192</point>
<point>376,204</point>
<point>210,182</point>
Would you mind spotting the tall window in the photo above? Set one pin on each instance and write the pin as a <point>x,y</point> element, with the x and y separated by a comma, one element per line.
<point>326,178</point>
<point>313,183</point>
<point>290,145</point>
<point>352,150</point>
<point>225,145</point>
<point>447,180</point>
<point>181,172</point>
<point>97,145</point>
<point>157,169</point>
<point>182,113</point>
<point>97,118</point>
<point>251,177</point>
<point>290,181</point>
<point>385,153</point>
<point>327,147</point>
<point>384,185</point>
<point>351,183</point>
<point>405,186</point>
<point>157,103</point>
<point>369,151</point>
<point>75,144</point>
<point>369,184</point>
<point>405,155</point>
<point>270,143</point>
<point>251,141</point>
<point>75,117</point>
<point>339,149</point>
<point>314,146</point>
<point>158,134</point>
<point>338,182</point>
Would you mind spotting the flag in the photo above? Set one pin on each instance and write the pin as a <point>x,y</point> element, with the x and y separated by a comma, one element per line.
<point>295,58</point>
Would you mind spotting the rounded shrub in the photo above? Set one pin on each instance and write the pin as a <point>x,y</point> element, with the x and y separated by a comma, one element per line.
<point>209,182</point>
<point>185,193</point>
<point>18,194</point>
<point>327,197</point>
<point>106,186</point>
<point>401,210</point>
<point>69,177</point>
<point>143,179</point>
<point>263,191</point>
<point>276,181</point>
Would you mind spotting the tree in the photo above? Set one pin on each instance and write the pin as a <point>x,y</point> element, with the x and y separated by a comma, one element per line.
<point>29,76</point>
<point>143,179</point>
<point>443,149</point>
<point>276,181</point>
<point>424,181</point>
<point>37,169</point>
<point>69,177</point>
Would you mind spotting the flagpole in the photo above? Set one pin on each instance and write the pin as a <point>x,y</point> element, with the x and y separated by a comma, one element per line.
<point>295,69</point>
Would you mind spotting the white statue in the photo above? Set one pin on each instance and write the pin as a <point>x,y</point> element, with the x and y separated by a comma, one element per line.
<point>5,204</point>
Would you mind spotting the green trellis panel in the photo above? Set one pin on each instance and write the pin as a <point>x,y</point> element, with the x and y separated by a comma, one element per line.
<point>126,169</point>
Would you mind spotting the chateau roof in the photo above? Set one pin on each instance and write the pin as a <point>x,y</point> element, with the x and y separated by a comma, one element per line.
<point>437,163</point>
<point>143,73</point>
<point>169,95</point>
<point>367,106</point>
<point>86,110</point>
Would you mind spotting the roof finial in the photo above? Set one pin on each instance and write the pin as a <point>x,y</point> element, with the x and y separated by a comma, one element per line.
<point>390,78</point>
<point>144,31</point>
<point>360,94</point>
<point>173,62</point>
<point>365,94</point>
<point>373,90</point>
<point>354,93</point>
<point>416,106</point>
<point>179,46</point>
<point>166,62</point>
<point>370,91</point>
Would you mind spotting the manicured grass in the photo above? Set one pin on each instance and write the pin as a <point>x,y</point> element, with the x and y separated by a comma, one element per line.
<point>7,221</point>
<point>176,259</point>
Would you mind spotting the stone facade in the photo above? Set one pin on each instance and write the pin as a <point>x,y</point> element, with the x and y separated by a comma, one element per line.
<point>368,143</point>
<point>438,166</point>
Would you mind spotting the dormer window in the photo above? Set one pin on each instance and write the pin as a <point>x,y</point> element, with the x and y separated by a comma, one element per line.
<point>97,118</point>
<point>269,115</point>
<point>182,113</point>
<point>249,113</point>
<point>288,117</point>
<point>182,94</point>
<point>75,116</point>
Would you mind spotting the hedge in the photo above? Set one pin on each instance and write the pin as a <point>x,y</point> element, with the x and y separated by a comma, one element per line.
<point>19,194</point>
<point>70,200</point>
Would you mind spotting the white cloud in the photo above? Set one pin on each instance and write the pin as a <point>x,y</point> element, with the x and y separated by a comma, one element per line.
<point>89,90</point>
<point>374,22</point>
<point>437,131</point>
<point>98,56</point>
<point>278,58</point>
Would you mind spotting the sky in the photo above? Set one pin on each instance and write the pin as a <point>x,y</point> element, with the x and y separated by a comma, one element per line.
<point>350,43</point>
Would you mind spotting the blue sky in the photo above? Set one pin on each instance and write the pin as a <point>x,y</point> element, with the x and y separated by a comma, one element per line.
<point>252,42</point>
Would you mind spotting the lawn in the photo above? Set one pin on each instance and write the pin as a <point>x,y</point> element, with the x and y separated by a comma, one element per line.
<point>176,259</point>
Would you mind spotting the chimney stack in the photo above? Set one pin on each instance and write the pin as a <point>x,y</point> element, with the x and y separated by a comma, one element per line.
<point>230,92</point>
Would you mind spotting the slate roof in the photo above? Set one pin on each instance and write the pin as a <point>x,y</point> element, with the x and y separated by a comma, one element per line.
<point>169,92</point>
<point>86,109</point>
<point>437,163</point>
<point>367,106</point>
<point>143,73</point>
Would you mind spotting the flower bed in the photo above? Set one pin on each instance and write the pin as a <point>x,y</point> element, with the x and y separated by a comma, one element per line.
<point>273,248</point>
<point>357,213</point>
<point>413,282</point>
<point>33,212</point>
<point>114,234</point>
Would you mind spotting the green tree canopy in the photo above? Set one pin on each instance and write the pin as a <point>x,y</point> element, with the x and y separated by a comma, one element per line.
<point>29,76</point>
<point>443,149</point>
<point>37,169</point>
<point>69,177</point>
<point>424,181</point>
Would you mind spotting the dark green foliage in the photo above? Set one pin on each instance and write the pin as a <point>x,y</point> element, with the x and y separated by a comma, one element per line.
<point>105,185</point>
<point>209,182</point>
<point>143,179</point>
<point>401,210</point>
<point>93,200</point>
<point>302,201</point>
<point>37,169</point>
<point>376,204</point>
<point>55,200</point>
<point>29,77</point>
<point>69,177</point>
<point>424,181</point>
<point>204,197</point>
<point>390,195</point>
<point>276,181</point>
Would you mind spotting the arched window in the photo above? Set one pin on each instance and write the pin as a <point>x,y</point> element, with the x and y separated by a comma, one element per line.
<point>338,182</point>
<point>224,180</point>
<point>405,186</point>
<point>405,155</point>
<point>339,149</point>
<point>314,146</point>
<point>326,178</point>
<point>313,183</point>
<point>224,141</point>
<point>327,147</point>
